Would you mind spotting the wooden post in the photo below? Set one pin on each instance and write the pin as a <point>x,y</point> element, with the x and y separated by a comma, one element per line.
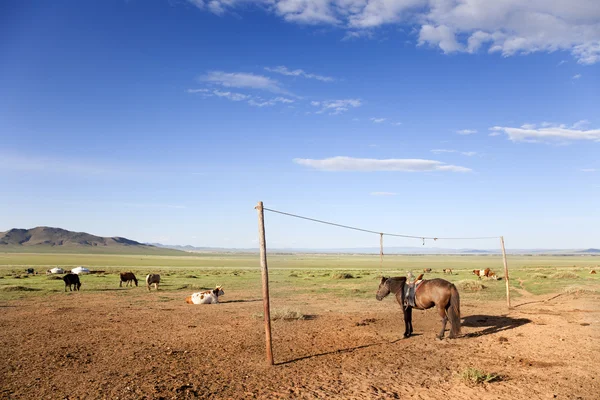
<point>505,272</point>
<point>381,253</point>
<point>265,280</point>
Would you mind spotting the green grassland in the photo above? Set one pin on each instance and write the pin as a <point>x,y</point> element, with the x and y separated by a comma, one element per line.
<point>290,274</point>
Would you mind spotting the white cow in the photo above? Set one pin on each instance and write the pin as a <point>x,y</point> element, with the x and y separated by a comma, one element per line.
<point>152,278</point>
<point>208,297</point>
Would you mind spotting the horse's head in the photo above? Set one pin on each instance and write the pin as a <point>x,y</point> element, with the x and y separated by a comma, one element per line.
<point>384,288</point>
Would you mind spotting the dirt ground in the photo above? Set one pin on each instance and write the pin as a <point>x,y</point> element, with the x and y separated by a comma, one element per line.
<point>151,346</point>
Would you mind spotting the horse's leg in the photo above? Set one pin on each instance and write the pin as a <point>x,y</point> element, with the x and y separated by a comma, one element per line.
<point>410,325</point>
<point>442,312</point>
<point>407,321</point>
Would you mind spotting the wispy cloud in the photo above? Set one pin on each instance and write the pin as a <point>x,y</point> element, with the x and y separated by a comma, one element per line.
<point>576,76</point>
<point>588,169</point>
<point>466,131</point>
<point>268,103</point>
<point>466,26</point>
<point>255,101</point>
<point>547,132</point>
<point>383,194</point>
<point>378,120</point>
<point>298,72</point>
<point>464,153</point>
<point>371,165</point>
<point>334,107</point>
<point>243,80</point>
<point>469,153</point>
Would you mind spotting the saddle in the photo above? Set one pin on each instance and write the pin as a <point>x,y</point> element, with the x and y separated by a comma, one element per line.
<point>410,293</point>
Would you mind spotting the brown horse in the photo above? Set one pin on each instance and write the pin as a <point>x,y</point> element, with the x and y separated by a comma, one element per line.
<point>434,292</point>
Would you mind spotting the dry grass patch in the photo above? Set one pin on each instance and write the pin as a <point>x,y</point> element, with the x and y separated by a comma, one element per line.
<point>342,275</point>
<point>475,376</point>
<point>17,288</point>
<point>564,275</point>
<point>470,286</point>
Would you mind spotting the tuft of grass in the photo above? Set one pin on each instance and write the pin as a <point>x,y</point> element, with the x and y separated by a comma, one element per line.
<point>470,285</point>
<point>293,275</point>
<point>539,276</point>
<point>54,278</point>
<point>17,288</point>
<point>342,275</point>
<point>564,275</point>
<point>576,289</point>
<point>284,314</point>
<point>475,376</point>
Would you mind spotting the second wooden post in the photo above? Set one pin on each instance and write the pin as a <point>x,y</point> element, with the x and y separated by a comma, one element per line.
<point>265,281</point>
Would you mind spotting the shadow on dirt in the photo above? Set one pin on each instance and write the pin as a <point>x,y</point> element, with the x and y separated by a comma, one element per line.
<point>239,301</point>
<point>340,351</point>
<point>494,324</point>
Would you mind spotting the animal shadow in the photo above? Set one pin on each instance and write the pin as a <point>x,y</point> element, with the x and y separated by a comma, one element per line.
<point>494,324</point>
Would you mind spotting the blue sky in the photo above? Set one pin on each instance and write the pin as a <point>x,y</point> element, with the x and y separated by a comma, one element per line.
<point>168,120</point>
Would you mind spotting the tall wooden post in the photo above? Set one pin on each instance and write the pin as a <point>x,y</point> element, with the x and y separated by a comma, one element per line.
<point>265,280</point>
<point>505,272</point>
<point>381,253</point>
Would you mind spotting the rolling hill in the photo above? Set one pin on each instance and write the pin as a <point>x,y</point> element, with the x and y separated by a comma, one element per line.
<point>43,238</point>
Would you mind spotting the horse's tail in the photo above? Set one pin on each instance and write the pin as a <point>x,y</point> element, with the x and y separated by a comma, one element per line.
<point>454,312</point>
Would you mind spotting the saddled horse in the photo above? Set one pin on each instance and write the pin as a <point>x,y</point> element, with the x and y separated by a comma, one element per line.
<point>435,292</point>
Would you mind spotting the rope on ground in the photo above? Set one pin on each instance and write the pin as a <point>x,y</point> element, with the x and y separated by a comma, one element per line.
<point>378,233</point>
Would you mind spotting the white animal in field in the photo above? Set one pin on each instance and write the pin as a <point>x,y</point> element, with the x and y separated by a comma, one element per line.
<point>208,297</point>
<point>152,279</point>
<point>80,271</point>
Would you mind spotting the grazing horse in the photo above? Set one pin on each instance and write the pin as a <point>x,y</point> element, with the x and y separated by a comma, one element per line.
<point>129,278</point>
<point>152,278</point>
<point>447,271</point>
<point>208,297</point>
<point>435,292</point>
<point>426,269</point>
<point>72,280</point>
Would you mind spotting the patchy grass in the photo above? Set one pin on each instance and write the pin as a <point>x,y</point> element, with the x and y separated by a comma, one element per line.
<point>564,275</point>
<point>284,314</point>
<point>470,286</point>
<point>475,376</point>
<point>17,288</point>
<point>342,275</point>
<point>578,289</point>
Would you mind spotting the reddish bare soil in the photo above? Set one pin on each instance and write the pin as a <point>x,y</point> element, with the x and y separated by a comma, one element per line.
<point>150,346</point>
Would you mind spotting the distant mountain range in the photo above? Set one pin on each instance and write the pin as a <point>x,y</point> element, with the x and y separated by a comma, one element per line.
<point>375,250</point>
<point>45,238</point>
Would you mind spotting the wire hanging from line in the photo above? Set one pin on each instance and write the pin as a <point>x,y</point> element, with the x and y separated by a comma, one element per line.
<point>379,233</point>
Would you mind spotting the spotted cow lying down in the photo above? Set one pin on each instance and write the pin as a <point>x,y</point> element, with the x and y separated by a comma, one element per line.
<point>208,297</point>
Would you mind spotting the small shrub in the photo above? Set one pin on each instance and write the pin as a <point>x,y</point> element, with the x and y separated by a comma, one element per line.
<point>476,376</point>
<point>293,275</point>
<point>564,275</point>
<point>342,275</point>
<point>284,314</point>
<point>470,286</point>
<point>16,288</point>
<point>539,276</point>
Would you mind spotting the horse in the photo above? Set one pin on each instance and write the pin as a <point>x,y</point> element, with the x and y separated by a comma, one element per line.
<point>128,278</point>
<point>208,297</point>
<point>435,292</point>
<point>72,280</point>
<point>448,271</point>
<point>152,278</point>
<point>426,269</point>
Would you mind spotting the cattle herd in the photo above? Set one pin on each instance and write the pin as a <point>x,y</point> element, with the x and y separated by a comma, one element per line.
<point>72,281</point>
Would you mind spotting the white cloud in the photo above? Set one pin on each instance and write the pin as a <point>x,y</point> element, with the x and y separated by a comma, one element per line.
<point>370,165</point>
<point>334,107</point>
<point>383,194</point>
<point>547,133</point>
<point>576,76</point>
<point>242,80</point>
<point>258,102</point>
<point>495,133</point>
<point>469,153</point>
<point>299,72</point>
<point>231,96</point>
<point>439,151</point>
<point>197,90</point>
<point>378,120</point>
<point>588,169</point>
<point>397,123</point>
<point>580,124</point>
<point>466,131</point>
<point>508,27</point>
